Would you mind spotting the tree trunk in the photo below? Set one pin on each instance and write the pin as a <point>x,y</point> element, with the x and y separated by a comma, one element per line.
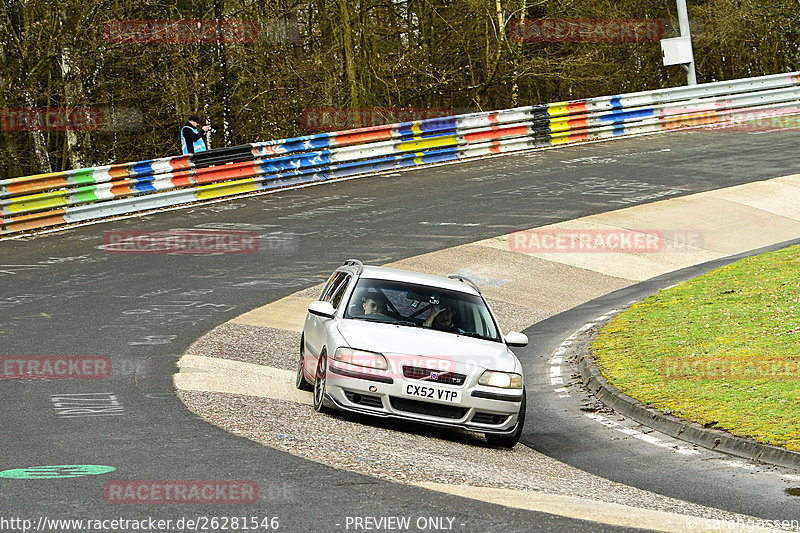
<point>223,74</point>
<point>41,156</point>
<point>72,87</point>
<point>349,53</point>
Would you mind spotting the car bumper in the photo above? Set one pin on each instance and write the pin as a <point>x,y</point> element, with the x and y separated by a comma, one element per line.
<point>480,408</point>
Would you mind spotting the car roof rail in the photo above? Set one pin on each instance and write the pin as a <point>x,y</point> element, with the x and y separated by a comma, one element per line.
<point>465,280</point>
<point>355,263</point>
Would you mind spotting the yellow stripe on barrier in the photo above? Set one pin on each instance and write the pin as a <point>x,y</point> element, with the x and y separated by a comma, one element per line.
<point>559,124</point>
<point>425,144</point>
<point>561,137</point>
<point>557,109</point>
<point>217,190</point>
<point>36,202</point>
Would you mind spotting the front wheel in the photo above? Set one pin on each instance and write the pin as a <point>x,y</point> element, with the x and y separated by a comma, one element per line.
<point>509,441</point>
<point>300,380</point>
<point>320,376</point>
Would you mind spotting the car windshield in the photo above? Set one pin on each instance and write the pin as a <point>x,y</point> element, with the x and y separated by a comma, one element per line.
<point>409,304</point>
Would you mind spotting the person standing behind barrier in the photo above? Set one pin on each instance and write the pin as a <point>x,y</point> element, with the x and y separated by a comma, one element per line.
<point>191,137</point>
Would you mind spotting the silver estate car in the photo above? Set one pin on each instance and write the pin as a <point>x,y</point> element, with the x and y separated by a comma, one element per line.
<point>394,343</point>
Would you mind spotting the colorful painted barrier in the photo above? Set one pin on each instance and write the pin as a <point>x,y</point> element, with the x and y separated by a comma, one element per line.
<point>38,201</point>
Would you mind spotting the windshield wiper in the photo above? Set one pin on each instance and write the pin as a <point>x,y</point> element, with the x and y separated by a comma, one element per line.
<point>406,323</point>
<point>475,335</point>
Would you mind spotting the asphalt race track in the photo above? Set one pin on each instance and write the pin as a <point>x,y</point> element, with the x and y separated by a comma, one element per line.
<point>63,294</point>
<point>561,429</point>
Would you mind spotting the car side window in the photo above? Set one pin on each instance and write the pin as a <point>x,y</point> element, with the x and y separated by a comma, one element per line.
<point>330,288</point>
<point>338,292</point>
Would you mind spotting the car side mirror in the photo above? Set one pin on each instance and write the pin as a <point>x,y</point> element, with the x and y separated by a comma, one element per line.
<point>514,338</point>
<point>323,309</point>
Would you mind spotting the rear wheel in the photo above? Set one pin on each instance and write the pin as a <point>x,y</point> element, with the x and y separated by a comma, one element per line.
<point>300,380</point>
<point>320,376</point>
<point>509,441</point>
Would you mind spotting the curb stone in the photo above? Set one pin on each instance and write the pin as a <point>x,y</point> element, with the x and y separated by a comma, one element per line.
<point>712,439</point>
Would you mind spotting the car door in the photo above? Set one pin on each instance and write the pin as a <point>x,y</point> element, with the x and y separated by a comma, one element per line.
<point>315,331</point>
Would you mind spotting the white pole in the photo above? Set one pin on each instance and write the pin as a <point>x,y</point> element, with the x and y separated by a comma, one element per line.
<point>683,20</point>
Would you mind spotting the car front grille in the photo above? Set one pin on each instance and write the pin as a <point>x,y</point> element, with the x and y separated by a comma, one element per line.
<point>429,409</point>
<point>489,418</point>
<point>447,378</point>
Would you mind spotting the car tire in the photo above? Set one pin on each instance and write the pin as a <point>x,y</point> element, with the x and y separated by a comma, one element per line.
<point>320,377</point>
<point>300,380</point>
<point>509,441</point>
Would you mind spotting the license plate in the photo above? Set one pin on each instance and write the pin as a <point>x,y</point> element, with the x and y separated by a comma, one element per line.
<point>431,393</point>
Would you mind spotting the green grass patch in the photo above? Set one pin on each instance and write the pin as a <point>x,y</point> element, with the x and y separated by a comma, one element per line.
<point>722,349</point>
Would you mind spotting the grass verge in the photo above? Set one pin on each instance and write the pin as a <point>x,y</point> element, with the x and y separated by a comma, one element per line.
<point>722,349</point>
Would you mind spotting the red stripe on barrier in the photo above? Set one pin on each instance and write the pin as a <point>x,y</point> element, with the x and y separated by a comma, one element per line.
<point>35,220</point>
<point>497,132</point>
<point>40,184</point>
<point>118,171</point>
<point>179,163</point>
<point>576,107</point>
<point>121,188</point>
<point>356,136</point>
<point>183,178</point>
<point>577,123</point>
<point>224,172</point>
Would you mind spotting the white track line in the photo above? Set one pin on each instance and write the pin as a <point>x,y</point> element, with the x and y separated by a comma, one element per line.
<point>557,357</point>
<point>641,436</point>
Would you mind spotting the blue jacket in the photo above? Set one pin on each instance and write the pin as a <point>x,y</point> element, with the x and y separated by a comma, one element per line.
<point>191,140</point>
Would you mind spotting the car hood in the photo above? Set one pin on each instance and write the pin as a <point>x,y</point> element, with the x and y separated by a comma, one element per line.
<point>406,344</point>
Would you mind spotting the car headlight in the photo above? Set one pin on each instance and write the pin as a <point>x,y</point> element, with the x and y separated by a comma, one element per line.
<point>503,380</point>
<point>361,358</point>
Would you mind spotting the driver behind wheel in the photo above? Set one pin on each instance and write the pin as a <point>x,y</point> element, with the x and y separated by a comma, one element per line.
<point>442,317</point>
<point>373,306</point>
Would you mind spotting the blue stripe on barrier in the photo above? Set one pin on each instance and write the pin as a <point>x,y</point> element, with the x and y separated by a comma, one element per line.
<point>616,102</point>
<point>445,123</point>
<point>144,185</point>
<point>141,168</point>
<point>415,131</point>
<point>351,170</point>
<point>433,125</point>
<point>279,164</point>
<point>438,156</point>
<point>296,144</point>
<point>616,117</point>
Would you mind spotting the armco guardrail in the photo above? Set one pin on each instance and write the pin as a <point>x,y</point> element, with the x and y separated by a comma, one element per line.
<point>78,195</point>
